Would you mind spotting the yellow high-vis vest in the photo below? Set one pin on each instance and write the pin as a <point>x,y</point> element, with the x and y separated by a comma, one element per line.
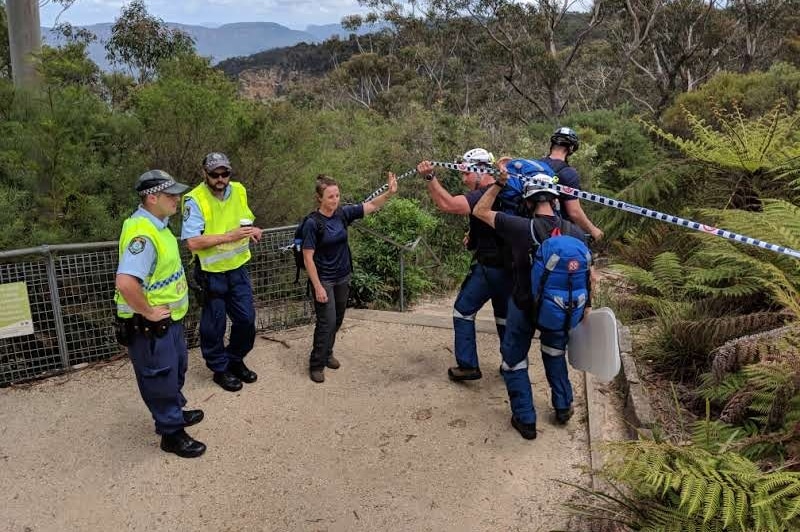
<point>166,285</point>
<point>220,217</point>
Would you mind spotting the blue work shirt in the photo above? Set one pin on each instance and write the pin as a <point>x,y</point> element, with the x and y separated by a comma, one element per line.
<point>193,221</point>
<point>567,177</point>
<point>139,259</point>
<point>331,253</point>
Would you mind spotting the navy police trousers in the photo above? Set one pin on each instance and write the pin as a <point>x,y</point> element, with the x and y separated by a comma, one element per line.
<point>160,368</point>
<point>229,294</point>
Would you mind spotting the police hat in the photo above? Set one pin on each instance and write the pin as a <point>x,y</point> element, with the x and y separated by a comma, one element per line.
<point>215,160</point>
<point>155,181</point>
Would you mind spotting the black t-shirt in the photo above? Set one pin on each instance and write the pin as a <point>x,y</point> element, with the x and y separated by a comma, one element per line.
<point>331,254</point>
<point>568,177</point>
<point>524,235</point>
<point>489,248</point>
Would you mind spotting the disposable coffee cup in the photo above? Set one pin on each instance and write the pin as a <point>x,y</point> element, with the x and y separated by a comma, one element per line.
<point>244,222</point>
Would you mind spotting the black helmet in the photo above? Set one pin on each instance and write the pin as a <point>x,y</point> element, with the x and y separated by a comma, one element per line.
<point>566,137</point>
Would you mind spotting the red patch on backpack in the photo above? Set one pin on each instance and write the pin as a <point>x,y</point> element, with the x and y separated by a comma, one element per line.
<point>573,265</point>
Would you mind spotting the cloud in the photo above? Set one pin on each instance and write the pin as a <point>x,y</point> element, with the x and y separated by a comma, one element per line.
<point>293,13</point>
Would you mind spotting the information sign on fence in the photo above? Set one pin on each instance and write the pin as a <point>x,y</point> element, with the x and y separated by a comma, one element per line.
<point>15,311</point>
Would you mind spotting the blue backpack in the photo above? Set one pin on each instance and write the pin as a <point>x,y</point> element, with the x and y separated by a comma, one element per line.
<point>519,170</point>
<point>560,282</point>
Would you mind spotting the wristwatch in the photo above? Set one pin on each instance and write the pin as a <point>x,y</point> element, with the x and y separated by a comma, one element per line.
<point>429,177</point>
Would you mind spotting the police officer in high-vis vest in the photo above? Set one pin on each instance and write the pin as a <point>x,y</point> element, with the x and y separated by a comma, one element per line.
<point>152,299</point>
<point>217,228</point>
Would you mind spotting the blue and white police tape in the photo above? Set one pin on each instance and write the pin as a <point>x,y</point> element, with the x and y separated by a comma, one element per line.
<point>623,206</point>
<point>385,187</point>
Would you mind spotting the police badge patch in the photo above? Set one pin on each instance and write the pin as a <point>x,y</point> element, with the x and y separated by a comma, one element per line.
<point>137,245</point>
<point>186,213</point>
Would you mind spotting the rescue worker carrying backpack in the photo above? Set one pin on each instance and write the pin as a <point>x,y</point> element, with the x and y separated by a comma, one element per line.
<point>552,293</point>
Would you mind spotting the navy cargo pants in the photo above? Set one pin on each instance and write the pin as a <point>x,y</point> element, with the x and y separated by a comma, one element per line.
<point>481,284</point>
<point>160,368</point>
<point>515,347</point>
<point>229,294</point>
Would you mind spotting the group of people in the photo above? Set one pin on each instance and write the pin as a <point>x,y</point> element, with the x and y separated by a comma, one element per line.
<point>503,245</point>
<point>152,289</point>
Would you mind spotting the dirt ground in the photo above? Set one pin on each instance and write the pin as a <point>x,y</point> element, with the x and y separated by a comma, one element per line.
<point>386,443</point>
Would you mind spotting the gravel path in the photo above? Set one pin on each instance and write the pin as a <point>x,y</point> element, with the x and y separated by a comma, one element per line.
<point>386,443</point>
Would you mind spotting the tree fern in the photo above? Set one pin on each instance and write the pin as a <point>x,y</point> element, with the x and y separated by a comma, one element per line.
<point>749,145</point>
<point>690,488</point>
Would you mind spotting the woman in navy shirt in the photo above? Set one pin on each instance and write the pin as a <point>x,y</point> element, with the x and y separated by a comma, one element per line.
<point>327,259</point>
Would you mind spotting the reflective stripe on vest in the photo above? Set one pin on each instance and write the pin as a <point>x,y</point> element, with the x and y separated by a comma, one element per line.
<point>166,285</point>
<point>221,216</point>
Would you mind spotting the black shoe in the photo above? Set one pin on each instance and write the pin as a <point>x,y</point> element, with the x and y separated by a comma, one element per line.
<point>332,363</point>
<point>527,430</point>
<point>242,372</point>
<point>227,381</point>
<point>192,417</point>
<point>317,375</point>
<point>464,374</point>
<point>182,444</point>
<point>563,415</point>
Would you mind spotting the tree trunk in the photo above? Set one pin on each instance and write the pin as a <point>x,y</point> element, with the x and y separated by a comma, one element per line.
<point>24,39</point>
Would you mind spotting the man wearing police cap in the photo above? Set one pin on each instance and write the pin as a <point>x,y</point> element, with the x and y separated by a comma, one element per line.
<point>218,228</point>
<point>152,299</point>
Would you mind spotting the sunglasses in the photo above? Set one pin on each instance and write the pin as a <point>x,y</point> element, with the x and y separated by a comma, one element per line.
<point>220,175</point>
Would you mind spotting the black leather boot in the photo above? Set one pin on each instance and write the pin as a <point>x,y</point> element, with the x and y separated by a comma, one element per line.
<point>192,417</point>
<point>242,372</point>
<point>228,381</point>
<point>182,444</point>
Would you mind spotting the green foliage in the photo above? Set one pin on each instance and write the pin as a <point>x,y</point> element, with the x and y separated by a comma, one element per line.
<point>403,222</point>
<point>141,41</point>
<point>679,488</point>
<point>764,144</point>
<point>749,270</point>
<point>753,94</point>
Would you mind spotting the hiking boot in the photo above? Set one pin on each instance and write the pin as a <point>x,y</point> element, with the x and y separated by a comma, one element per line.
<point>527,430</point>
<point>563,415</point>
<point>464,374</point>
<point>317,375</point>
<point>182,444</point>
<point>242,372</point>
<point>332,363</point>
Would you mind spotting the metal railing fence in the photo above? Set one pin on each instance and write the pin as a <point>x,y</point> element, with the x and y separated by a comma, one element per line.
<point>71,291</point>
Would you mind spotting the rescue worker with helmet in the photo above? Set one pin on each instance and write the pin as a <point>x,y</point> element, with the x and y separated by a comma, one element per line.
<point>525,235</point>
<point>563,143</point>
<point>217,228</point>
<point>151,299</point>
<point>488,276</point>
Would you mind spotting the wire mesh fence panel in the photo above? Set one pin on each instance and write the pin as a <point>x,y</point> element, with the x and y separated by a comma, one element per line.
<point>85,282</point>
<point>86,293</point>
<point>32,355</point>
<point>280,302</point>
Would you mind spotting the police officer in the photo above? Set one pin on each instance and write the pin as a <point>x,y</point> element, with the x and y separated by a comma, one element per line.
<point>151,299</point>
<point>487,278</point>
<point>217,228</point>
<point>524,235</point>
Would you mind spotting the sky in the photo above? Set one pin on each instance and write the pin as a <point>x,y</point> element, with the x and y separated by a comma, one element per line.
<point>295,14</point>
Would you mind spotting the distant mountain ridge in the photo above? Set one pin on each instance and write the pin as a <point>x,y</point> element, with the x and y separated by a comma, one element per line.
<point>220,43</point>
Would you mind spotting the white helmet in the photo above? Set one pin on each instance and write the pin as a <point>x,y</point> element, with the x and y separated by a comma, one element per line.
<point>532,189</point>
<point>478,156</point>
